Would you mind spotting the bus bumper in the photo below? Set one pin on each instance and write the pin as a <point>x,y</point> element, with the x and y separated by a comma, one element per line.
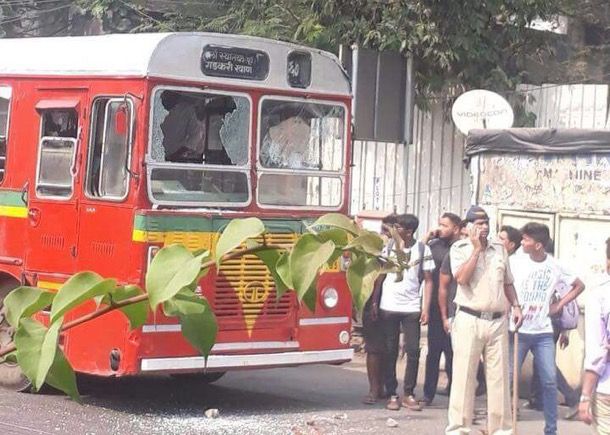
<point>218,363</point>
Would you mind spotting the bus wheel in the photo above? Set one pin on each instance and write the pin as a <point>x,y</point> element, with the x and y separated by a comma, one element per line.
<point>11,376</point>
<point>206,378</point>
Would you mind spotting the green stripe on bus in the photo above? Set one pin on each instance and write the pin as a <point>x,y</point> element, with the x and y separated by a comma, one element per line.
<point>11,198</point>
<point>157,223</point>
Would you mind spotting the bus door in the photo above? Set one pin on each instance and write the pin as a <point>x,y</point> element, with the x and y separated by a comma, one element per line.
<point>52,194</point>
<point>106,215</point>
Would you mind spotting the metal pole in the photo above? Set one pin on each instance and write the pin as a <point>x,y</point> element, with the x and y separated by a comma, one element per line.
<point>515,379</point>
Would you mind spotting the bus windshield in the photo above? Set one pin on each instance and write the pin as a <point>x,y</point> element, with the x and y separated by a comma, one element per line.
<point>199,147</point>
<point>302,147</point>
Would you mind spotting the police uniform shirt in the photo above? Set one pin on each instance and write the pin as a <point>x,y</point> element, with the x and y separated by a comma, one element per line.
<point>485,291</point>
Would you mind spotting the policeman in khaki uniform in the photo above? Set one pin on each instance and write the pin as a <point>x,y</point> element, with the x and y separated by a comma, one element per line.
<point>484,295</point>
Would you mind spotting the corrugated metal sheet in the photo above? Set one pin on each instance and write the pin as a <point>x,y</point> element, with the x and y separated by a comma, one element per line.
<point>567,106</point>
<point>426,178</point>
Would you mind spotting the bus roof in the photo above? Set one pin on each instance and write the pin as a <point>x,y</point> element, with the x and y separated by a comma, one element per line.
<point>162,55</point>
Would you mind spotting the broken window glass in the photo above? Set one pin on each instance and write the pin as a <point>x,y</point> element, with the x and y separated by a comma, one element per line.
<point>193,131</point>
<point>302,135</point>
<point>303,138</point>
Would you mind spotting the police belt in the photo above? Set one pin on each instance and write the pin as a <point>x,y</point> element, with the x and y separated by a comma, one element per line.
<point>485,315</point>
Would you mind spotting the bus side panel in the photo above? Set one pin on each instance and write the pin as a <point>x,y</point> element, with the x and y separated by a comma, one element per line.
<point>107,346</point>
<point>19,155</point>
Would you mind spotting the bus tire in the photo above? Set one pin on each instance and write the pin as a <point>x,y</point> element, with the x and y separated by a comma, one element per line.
<point>11,376</point>
<point>206,378</point>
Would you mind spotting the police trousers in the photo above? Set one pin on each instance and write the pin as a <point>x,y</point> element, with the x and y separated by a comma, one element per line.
<point>472,338</point>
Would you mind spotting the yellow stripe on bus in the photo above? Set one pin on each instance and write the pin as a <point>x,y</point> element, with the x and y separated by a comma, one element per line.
<point>49,285</point>
<point>10,211</point>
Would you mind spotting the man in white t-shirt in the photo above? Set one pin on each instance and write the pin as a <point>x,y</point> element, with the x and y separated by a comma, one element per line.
<point>594,407</point>
<point>537,276</point>
<point>401,307</point>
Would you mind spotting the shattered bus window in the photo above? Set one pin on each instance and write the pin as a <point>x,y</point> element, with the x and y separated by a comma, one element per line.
<point>193,133</point>
<point>301,153</point>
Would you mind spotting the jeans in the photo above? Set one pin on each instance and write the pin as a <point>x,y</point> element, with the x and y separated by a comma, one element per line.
<point>438,342</point>
<point>570,394</point>
<point>542,347</point>
<point>393,322</point>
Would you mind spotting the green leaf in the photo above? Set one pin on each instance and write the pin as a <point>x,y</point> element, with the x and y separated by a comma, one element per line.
<point>78,289</point>
<point>236,233</point>
<point>306,259</point>
<point>171,270</point>
<point>62,376</point>
<point>30,338</point>
<point>282,267</point>
<point>368,242</point>
<point>28,341</point>
<point>339,238</point>
<point>337,235</point>
<point>197,319</point>
<point>136,313</point>
<point>271,257</point>
<point>25,301</point>
<point>47,353</point>
<point>309,299</point>
<point>361,276</point>
<point>337,220</point>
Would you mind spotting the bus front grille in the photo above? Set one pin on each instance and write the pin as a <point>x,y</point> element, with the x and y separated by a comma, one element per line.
<point>245,290</point>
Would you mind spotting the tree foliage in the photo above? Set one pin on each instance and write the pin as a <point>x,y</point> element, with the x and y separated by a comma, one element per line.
<point>473,43</point>
<point>171,280</point>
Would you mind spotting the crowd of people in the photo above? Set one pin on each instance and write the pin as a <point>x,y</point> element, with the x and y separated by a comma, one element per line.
<point>499,299</point>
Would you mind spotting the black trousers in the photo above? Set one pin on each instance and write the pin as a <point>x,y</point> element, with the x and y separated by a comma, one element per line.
<point>439,342</point>
<point>393,323</point>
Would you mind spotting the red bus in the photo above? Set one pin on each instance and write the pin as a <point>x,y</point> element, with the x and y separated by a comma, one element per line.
<point>113,146</point>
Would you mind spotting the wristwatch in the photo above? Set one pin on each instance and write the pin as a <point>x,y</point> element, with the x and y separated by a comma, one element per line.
<point>584,398</point>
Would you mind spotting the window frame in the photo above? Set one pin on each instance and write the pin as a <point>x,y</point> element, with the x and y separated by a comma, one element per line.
<point>73,169</point>
<point>130,103</point>
<point>262,170</point>
<point>152,164</point>
<point>8,124</point>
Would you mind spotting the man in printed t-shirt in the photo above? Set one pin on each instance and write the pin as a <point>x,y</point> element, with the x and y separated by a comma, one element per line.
<point>536,278</point>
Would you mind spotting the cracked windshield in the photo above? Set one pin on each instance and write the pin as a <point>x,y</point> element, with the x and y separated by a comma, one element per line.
<point>301,153</point>
<point>199,147</point>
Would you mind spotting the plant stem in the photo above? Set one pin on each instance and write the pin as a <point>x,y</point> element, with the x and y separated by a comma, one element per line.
<point>144,296</point>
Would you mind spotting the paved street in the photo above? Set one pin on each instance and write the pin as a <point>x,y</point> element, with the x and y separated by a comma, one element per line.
<point>305,400</point>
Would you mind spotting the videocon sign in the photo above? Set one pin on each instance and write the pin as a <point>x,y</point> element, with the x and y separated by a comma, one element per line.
<point>481,109</point>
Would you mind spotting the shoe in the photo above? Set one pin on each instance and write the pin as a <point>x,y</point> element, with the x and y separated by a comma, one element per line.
<point>393,404</point>
<point>571,413</point>
<point>409,402</point>
<point>425,401</point>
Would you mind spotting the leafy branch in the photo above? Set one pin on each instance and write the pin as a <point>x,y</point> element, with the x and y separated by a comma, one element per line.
<point>172,277</point>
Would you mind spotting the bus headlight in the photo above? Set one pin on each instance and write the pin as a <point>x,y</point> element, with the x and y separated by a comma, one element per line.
<point>330,297</point>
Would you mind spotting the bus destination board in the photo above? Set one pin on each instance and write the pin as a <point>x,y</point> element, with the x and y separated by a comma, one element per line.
<point>232,62</point>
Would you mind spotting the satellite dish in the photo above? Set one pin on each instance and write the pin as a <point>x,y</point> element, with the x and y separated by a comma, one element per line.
<point>481,109</point>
